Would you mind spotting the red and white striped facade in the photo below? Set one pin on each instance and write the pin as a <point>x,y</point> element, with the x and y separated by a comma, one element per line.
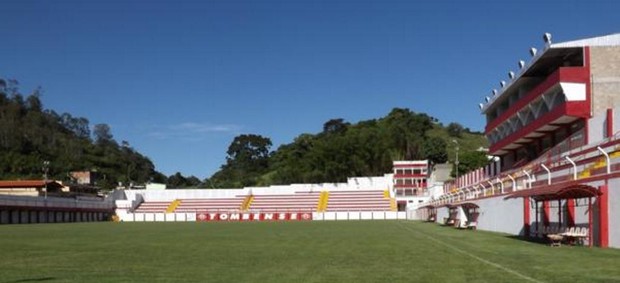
<point>410,177</point>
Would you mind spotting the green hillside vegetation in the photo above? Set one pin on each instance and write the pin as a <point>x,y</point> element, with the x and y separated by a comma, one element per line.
<point>342,150</point>
<point>30,134</point>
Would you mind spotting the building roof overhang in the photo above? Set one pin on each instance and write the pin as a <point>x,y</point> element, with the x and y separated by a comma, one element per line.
<point>552,55</point>
<point>566,190</point>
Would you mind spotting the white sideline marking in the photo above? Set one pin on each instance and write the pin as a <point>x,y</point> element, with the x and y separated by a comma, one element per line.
<point>511,271</point>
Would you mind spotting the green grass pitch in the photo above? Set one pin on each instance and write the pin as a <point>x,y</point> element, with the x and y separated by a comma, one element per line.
<point>365,251</point>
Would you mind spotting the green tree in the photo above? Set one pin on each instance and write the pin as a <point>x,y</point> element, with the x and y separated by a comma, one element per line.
<point>103,134</point>
<point>335,126</point>
<point>469,161</point>
<point>435,150</point>
<point>176,181</point>
<point>248,158</point>
<point>249,152</point>
<point>455,130</point>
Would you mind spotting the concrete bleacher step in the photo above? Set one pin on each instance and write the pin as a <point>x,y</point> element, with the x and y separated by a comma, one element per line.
<point>359,201</point>
<point>299,201</point>
<point>152,206</point>
<point>211,204</point>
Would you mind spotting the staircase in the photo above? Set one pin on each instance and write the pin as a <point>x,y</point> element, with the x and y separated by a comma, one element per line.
<point>173,206</point>
<point>393,205</point>
<point>323,199</point>
<point>247,202</point>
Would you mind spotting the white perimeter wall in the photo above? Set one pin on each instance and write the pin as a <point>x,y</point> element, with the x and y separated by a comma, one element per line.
<point>325,216</point>
<point>496,214</point>
<point>499,215</point>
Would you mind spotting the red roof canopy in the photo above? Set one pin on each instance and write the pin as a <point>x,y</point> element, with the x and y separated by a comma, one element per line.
<point>567,190</point>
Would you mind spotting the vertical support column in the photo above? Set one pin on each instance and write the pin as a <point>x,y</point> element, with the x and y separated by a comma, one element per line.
<point>537,222</point>
<point>570,212</point>
<point>526,216</point>
<point>609,129</point>
<point>590,219</point>
<point>603,217</point>
<point>560,213</point>
<point>546,212</point>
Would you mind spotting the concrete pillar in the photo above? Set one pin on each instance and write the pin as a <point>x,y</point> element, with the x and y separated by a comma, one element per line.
<point>526,216</point>
<point>546,212</point>
<point>570,212</point>
<point>42,217</point>
<point>603,216</point>
<point>4,217</point>
<point>24,215</point>
<point>34,217</point>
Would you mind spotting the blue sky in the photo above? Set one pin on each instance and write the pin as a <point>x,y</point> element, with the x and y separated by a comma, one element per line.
<point>179,80</point>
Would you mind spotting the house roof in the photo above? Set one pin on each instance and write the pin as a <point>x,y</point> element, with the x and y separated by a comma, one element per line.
<point>29,184</point>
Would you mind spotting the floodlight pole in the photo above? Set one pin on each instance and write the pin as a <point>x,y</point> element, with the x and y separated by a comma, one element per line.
<point>456,162</point>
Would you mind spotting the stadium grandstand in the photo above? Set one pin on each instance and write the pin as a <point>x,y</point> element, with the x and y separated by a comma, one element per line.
<point>553,129</point>
<point>382,197</point>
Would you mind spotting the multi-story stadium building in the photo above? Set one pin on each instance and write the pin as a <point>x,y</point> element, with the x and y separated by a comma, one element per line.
<point>552,128</point>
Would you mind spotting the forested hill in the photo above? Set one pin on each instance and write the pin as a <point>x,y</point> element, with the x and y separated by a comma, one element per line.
<point>30,134</point>
<point>343,150</point>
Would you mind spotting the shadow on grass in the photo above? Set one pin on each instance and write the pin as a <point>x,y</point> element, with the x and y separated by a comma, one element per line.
<point>534,240</point>
<point>32,280</point>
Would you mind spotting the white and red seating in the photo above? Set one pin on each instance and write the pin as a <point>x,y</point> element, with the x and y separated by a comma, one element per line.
<point>358,201</point>
<point>152,207</point>
<point>210,204</point>
<point>297,202</point>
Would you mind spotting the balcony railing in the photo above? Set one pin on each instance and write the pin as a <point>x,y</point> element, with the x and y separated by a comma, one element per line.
<point>590,164</point>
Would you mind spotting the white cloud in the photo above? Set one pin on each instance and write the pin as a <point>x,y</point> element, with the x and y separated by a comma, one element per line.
<point>192,131</point>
